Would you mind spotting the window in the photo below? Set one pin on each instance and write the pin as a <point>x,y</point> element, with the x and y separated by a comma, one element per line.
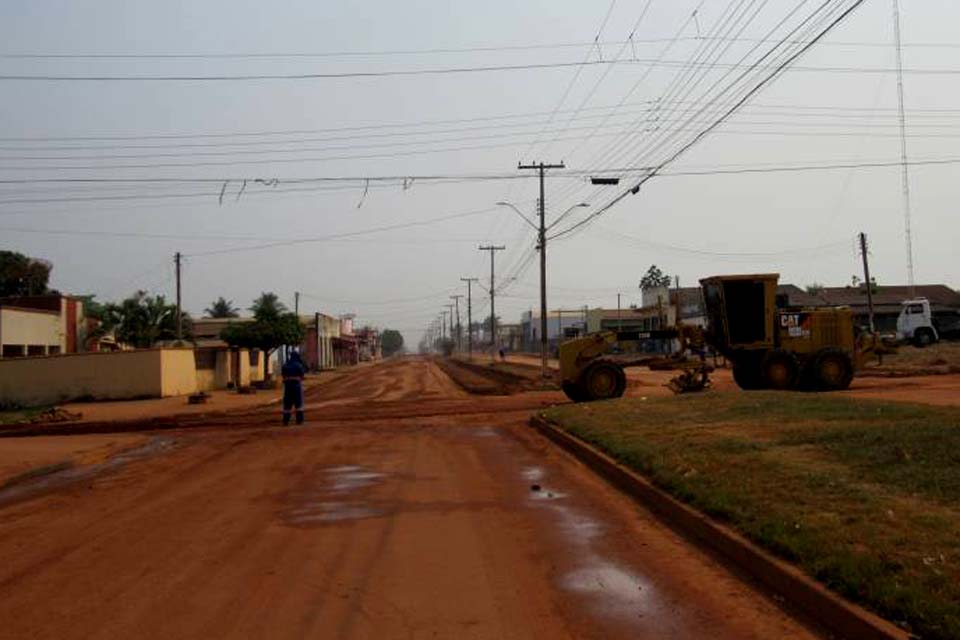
<point>915,309</point>
<point>205,358</point>
<point>255,358</point>
<point>12,351</point>
<point>36,350</point>
<point>53,350</point>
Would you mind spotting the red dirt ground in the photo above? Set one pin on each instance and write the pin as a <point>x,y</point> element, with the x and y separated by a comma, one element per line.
<point>404,509</point>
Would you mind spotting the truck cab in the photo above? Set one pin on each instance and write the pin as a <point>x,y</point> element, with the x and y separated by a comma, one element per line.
<point>915,323</point>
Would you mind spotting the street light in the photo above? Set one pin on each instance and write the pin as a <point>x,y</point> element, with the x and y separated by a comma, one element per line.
<point>565,213</point>
<point>519,213</point>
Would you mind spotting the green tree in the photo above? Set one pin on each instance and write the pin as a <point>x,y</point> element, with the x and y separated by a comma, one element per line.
<point>391,342</point>
<point>21,275</point>
<point>267,306</point>
<point>142,320</point>
<point>221,308</point>
<point>654,278</point>
<point>271,328</point>
<point>814,289</point>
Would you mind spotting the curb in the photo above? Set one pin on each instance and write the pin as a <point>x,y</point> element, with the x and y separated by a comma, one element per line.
<point>839,616</point>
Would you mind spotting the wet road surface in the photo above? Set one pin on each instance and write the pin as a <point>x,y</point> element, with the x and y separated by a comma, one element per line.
<point>459,521</point>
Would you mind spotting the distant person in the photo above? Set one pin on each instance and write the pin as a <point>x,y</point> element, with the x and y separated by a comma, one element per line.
<point>293,373</point>
<point>503,355</point>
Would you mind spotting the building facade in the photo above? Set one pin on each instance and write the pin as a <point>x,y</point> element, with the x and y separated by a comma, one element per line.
<point>41,326</point>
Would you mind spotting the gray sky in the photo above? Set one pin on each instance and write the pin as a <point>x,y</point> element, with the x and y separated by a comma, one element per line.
<point>801,224</point>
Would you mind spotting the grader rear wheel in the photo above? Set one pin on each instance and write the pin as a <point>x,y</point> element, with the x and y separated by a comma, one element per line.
<point>832,370</point>
<point>781,370</point>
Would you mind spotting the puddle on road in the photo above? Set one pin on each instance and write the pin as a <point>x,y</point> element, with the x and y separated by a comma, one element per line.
<point>607,588</point>
<point>41,484</point>
<point>333,512</point>
<point>314,506</point>
<point>616,589</point>
<point>349,478</point>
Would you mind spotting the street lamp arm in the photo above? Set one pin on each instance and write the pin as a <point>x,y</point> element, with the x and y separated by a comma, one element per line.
<point>525,218</point>
<point>566,213</point>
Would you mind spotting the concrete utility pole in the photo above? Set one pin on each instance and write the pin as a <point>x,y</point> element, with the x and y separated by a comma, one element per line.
<point>542,234</point>
<point>456,301</point>
<point>178,260</point>
<point>451,333</point>
<point>316,324</point>
<point>493,311</point>
<point>296,303</point>
<point>866,279</point>
<point>469,282</point>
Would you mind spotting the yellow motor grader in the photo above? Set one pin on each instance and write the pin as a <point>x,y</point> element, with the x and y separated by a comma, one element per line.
<point>771,345</point>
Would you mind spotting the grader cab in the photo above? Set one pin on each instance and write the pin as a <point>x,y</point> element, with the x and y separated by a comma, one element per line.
<point>769,344</point>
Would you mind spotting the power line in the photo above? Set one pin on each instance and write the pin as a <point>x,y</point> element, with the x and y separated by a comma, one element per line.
<point>304,76</point>
<point>349,234</point>
<point>452,70</point>
<point>650,106</point>
<point>737,103</point>
<point>425,51</point>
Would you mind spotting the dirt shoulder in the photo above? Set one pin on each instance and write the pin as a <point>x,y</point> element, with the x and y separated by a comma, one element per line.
<point>24,458</point>
<point>861,495</point>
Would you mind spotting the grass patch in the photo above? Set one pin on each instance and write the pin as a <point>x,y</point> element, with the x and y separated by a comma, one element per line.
<point>19,416</point>
<point>863,495</point>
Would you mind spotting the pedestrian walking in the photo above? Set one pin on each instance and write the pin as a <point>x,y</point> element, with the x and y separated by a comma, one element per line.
<point>293,373</point>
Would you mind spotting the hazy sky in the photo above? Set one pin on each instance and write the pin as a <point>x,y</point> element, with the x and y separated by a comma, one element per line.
<point>801,224</point>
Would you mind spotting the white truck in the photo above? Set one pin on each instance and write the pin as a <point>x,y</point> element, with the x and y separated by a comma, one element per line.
<point>919,325</point>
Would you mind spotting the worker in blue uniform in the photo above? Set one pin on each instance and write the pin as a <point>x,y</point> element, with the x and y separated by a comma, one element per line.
<point>293,372</point>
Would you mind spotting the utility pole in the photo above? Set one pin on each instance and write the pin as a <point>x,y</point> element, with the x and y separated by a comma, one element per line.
<point>559,326</point>
<point>493,312</point>
<point>866,278</point>
<point>542,234</point>
<point>469,282</point>
<point>453,337</point>
<point>456,301</point>
<point>178,260</point>
<point>619,317</point>
<point>296,303</point>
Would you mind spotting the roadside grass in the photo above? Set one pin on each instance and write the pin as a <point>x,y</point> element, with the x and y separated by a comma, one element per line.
<point>862,495</point>
<point>16,416</point>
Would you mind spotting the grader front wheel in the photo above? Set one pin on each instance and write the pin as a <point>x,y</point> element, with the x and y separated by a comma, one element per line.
<point>601,381</point>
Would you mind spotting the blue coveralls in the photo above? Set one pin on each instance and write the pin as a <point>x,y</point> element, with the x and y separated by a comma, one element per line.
<point>293,372</point>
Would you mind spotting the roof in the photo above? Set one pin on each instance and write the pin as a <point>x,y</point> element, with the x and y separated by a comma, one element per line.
<point>797,297</point>
<point>211,327</point>
<point>44,303</point>
<point>939,295</point>
<point>47,312</point>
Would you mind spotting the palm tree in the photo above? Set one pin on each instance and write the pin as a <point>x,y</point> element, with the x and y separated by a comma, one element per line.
<point>267,307</point>
<point>142,320</point>
<point>222,308</point>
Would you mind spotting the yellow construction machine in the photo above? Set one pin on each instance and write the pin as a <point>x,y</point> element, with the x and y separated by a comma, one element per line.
<point>769,344</point>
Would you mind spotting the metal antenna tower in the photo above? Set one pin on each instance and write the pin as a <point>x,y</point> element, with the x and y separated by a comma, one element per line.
<point>904,168</point>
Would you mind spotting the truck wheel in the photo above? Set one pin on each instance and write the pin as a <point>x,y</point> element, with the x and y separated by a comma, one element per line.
<point>573,391</point>
<point>923,338</point>
<point>832,370</point>
<point>780,370</point>
<point>747,375</point>
<point>602,381</point>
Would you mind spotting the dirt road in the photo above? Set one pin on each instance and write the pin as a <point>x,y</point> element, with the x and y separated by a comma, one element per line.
<point>404,509</point>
